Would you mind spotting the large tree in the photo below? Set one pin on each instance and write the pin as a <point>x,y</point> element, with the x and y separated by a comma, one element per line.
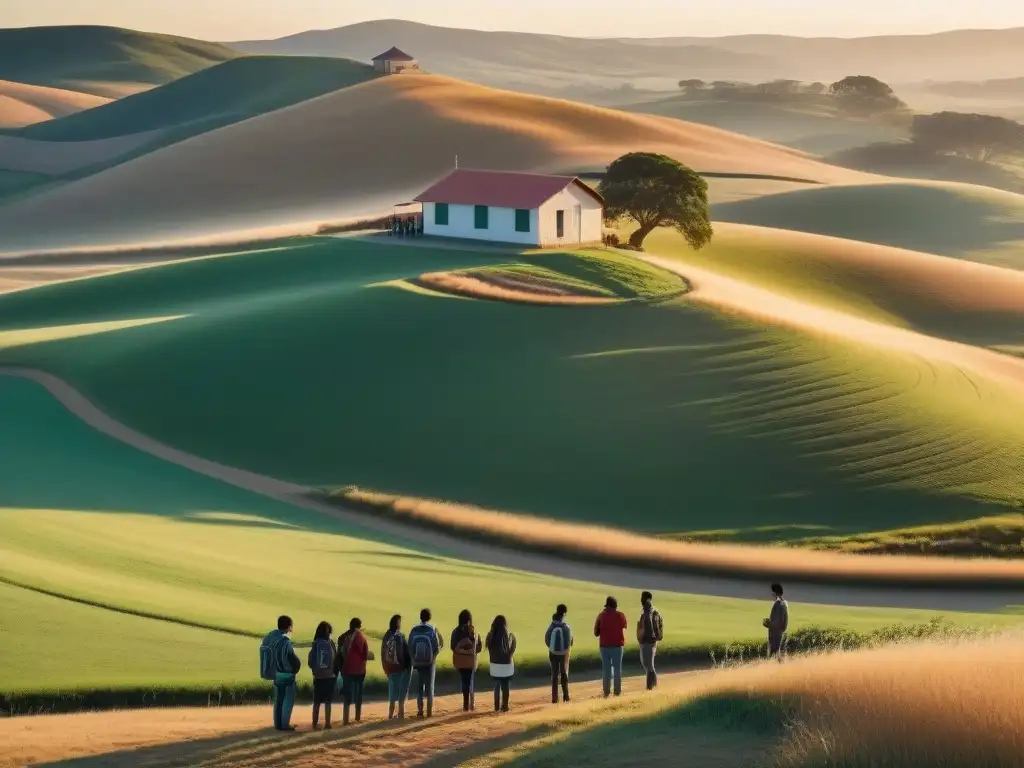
<point>656,191</point>
<point>865,95</point>
<point>979,137</point>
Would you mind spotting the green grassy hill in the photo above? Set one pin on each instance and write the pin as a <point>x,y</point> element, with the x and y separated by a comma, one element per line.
<point>197,552</point>
<point>76,56</point>
<point>214,97</point>
<point>968,222</point>
<point>321,365</point>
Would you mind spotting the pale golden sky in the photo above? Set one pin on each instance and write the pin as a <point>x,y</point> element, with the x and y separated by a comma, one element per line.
<point>249,19</point>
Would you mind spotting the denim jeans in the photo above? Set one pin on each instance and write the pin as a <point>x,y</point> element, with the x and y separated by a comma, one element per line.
<point>425,687</point>
<point>468,677</point>
<point>352,691</point>
<point>284,700</point>
<point>611,664</point>
<point>559,675</point>
<point>647,653</point>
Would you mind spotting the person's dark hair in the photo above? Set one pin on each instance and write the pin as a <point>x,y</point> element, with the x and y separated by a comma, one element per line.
<point>323,631</point>
<point>777,589</point>
<point>646,597</point>
<point>395,623</point>
<point>499,636</point>
<point>611,604</point>
<point>560,611</point>
<point>425,615</point>
<point>284,623</point>
<point>465,618</point>
<point>355,624</point>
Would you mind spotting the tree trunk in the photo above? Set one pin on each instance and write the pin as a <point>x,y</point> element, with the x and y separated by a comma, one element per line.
<point>636,240</point>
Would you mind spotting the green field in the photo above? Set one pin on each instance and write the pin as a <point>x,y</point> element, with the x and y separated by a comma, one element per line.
<point>86,517</point>
<point>85,57</point>
<point>311,365</point>
<point>976,223</point>
<point>209,99</point>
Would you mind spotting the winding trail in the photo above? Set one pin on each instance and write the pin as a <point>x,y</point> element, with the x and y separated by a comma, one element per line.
<point>938,599</point>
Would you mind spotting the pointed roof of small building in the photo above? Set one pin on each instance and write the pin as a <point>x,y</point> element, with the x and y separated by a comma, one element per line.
<point>500,189</point>
<point>395,54</point>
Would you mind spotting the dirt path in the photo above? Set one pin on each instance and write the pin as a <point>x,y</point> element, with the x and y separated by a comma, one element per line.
<point>241,736</point>
<point>289,493</point>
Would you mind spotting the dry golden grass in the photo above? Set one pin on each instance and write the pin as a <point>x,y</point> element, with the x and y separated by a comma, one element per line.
<point>22,104</point>
<point>360,150</point>
<point>952,703</point>
<point>627,548</point>
<point>479,286</point>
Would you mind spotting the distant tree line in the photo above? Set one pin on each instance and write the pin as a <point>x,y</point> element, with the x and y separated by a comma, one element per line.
<point>857,95</point>
<point>976,137</point>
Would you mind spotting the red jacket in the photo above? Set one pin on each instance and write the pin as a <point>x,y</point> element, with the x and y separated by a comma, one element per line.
<point>611,628</point>
<point>356,655</point>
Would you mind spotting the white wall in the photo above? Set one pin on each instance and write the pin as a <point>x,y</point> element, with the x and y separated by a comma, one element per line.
<point>588,229</point>
<point>462,223</point>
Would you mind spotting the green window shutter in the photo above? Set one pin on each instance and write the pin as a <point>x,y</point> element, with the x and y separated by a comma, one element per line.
<point>522,220</point>
<point>480,216</point>
<point>441,214</point>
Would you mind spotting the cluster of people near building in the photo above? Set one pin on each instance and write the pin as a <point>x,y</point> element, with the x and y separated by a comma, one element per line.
<point>406,226</point>
<point>409,659</point>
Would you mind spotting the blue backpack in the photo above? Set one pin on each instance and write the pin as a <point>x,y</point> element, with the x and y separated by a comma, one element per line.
<point>421,646</point>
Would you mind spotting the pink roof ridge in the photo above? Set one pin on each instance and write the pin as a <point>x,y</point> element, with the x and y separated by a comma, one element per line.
<point>500,189</point>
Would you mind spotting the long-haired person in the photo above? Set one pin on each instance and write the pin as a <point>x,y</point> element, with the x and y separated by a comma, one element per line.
<point>466,645</point>
<point>323,665</point>
<point>501,647</point>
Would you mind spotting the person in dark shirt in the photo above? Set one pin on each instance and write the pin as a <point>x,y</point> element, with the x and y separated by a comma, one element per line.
<point>777,624</point>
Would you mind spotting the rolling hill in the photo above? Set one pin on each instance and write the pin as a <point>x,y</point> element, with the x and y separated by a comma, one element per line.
<point>105,61</point>
<point>961,220</point>
<point>816,128</point>
<point>312,162</point>
<point>211,98</point>
<point>22,104</point>
<point>546,62</point>
<point>837,423</point>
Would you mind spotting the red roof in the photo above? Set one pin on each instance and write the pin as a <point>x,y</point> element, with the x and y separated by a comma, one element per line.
<point>500,189</point>
<point>393,55</point>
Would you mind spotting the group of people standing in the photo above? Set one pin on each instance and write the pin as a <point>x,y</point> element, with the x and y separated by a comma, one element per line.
<point>411,658</point>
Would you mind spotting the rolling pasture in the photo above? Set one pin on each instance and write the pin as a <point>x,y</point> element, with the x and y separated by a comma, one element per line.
<point>161,577</point>
<point>322,365</point>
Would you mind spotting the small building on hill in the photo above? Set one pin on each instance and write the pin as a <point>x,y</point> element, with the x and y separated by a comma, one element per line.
<point>395,62</point>
<point>522,208</point>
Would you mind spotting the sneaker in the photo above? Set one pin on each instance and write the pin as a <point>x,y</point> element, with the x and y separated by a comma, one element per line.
<point>328,726</point>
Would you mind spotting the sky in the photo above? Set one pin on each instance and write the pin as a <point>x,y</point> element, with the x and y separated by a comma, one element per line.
<point>226,20</point>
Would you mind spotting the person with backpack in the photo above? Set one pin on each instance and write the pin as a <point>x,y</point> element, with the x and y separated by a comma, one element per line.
<point>650,631</point>
<point>425,644</point>
<point>610,628</point>
<point>501,647</point>
<point>466,644</point>
<point>354,652</point>
<point>280,665</point>
<point>559,641</point>
<point>777,624</point>
<point>394,656</point>
<point>322,664</point>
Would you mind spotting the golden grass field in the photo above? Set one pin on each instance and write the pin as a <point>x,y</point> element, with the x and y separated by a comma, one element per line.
<point>624,547</point>
<point>22,104</point>
<point>311,162</point>
<point>953,703</point>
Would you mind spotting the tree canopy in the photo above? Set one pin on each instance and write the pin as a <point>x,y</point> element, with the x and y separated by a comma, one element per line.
<point>692,84</point>
<point>865,95</point>
<point>656,191</point>
<point>978,137</point>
